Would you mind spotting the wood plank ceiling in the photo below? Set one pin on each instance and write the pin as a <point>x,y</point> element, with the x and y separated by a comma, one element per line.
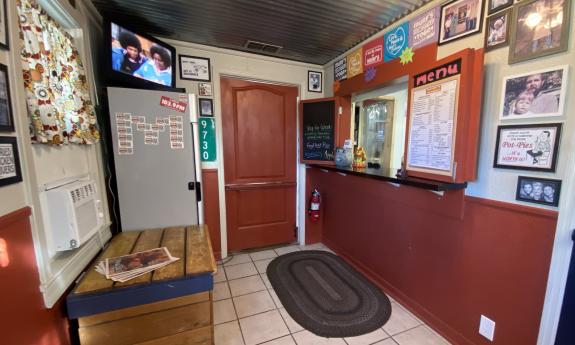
<point>313,31</point>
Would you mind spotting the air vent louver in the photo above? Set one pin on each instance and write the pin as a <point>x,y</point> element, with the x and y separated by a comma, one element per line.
<point>262,47</point>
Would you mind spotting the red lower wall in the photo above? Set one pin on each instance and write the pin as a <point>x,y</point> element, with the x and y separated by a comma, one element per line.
<point>24,320</point>
<point>212,208</point>
<point>449,259</point>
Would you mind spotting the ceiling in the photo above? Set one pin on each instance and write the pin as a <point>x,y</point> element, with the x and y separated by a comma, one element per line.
<point>312,31</point>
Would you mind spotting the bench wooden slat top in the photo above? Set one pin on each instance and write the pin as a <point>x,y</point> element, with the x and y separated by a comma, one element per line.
<point>190,243</point>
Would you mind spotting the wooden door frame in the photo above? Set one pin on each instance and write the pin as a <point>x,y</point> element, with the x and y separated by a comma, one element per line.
<point>300,168</point>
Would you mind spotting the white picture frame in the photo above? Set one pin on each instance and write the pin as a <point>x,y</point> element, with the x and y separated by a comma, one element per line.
<point>534,94</point>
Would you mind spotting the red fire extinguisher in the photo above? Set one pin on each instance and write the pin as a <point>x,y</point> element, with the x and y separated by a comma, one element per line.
<point>314,204</point>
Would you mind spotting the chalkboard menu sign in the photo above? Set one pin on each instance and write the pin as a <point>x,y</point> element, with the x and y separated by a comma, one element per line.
<point>318,131</point>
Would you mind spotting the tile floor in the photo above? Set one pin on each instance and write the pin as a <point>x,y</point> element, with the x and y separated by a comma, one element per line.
<point>248,312</point>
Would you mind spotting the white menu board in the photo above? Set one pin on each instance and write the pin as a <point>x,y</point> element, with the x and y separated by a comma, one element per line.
<point>432,127</point>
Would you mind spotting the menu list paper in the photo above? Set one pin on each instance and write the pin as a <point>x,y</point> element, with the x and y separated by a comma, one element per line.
<point>432,126</point>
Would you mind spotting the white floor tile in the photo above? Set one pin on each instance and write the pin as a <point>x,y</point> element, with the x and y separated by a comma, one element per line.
<point>368,338</point>
<point>388,341</point>
<point>266,281</point>
<point>287,249</point>
<point>292,325</point>
<point>254,303</point>
<point>287,340</point>
<point>221,291</point>
<point>238,259</point>
<point>228,334</point>
<point>246,285</point>
<point>262,265</point>
<point>220,275</point>
<point>224,311</point>
<point>308,338</point>
<point>313,246</point>
<point>264,254</point>
<point>240,271</point>
<point>263,327</point>
<point>420,335</point>
<point>400,320</point>
<point>276,298</point>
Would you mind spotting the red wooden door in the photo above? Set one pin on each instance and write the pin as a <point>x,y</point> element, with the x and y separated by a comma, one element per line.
<point>259,137</point>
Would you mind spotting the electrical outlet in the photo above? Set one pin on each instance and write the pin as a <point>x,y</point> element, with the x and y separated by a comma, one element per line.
<point>487,327</point>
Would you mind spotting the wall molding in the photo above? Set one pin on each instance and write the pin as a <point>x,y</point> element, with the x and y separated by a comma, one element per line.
<point>534,211</point>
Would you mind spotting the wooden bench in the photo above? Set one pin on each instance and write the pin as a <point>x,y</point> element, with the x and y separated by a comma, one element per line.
<point>172,305</point>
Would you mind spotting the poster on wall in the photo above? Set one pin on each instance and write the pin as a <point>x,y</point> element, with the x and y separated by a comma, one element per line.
<point>396,41</point>
<point>340,69</point>
<point>354,63</point>
<point>432,120</point>
<point>373,53</point>
<point>423,30</point>
<point>527,147</point>
<point>9,161</point>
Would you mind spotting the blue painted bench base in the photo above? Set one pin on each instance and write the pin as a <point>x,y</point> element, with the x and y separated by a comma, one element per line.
<point>80,305</point>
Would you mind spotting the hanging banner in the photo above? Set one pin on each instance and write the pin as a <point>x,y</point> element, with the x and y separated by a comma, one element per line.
<point>424,29</point>
<point>373,53</point>
<point>354,63</point>
<point>340,69</point>
<point>396,41</point>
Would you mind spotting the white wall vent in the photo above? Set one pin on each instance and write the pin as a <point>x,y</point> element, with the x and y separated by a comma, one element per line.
<point>72,214</point>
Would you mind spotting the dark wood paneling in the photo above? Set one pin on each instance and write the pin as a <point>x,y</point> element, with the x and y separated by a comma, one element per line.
<point>212,208</point>
<point>25,319</point>
<point>449,259</point>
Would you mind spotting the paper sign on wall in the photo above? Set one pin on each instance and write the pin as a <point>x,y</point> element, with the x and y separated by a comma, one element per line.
<point>396,41</point>
<point>207,139</point>
<point>424,29</point>
<point>373,53</point>
<point>354,63</point>
<point>340,69</point>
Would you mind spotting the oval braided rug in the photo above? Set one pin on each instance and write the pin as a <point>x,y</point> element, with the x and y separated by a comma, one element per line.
<point>327,296</point>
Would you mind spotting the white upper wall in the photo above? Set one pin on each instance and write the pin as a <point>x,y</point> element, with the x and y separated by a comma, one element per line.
<point>499,184</point>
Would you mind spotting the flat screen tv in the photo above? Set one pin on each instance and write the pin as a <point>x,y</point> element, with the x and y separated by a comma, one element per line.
<point>138,60</point>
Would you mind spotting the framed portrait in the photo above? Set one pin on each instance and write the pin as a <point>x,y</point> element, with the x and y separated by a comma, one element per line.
<point>534,94</point>
<point>497,34</point>
<point>538,190</point>
<point>540,28</point>
<point>206,107</point>
<point>194,68</point>
<point>9,161</point>
<point>527,147</point>
<point>4,37</point>
<point>314,81</point>
<point>205,89</point>
<point>497,5</point>
<point>6,117</point>
<point>460,18</point>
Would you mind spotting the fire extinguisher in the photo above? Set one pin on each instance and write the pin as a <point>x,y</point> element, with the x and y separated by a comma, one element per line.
<point>314,204</point>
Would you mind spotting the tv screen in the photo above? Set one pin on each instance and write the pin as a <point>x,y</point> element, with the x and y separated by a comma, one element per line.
<point>140,57</point>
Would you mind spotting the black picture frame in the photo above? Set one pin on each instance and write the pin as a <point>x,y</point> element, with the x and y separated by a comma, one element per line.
<point>16,161</point>
<point>441,40</point>
<point>551,155</point>
<point>540,193</point>
<point>206,107</point>
<point>312,83</point>
<point>194,59</point>
<point>508,14</point>
<point>7,121</point>
<point>491,9</point>
<point>4,7</point>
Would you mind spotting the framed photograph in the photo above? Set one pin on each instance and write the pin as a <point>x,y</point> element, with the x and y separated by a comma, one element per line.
<point>194,68</point>
<point>534,94</point>
<point>206,107</point>
<point>540,28</point>
<point>497,34</point>
<point>538,190</point>
<point>205,89</point>
<point>6,117</point>
<point>528,147</point>
<point>9,161</point>
<point>497,5</point>
<point>4,37</point>
<point>314,81</point>
<point>460,18</point>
